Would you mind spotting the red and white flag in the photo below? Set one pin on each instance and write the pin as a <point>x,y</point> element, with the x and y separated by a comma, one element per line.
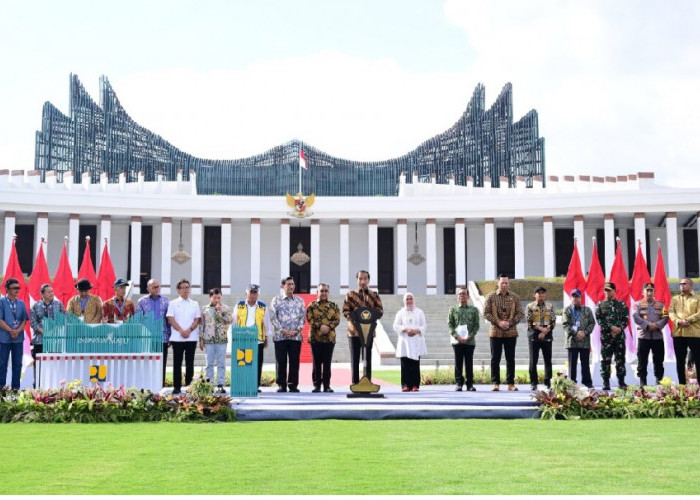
<point>105,276</point>
<point>663,293</point>
<point>302,160</point>
<point>640,277</point>
<point>574,276</point>
<point>594,294</point>
<point>618,276</point>
<point>63,283</point>
<point>40,274</point>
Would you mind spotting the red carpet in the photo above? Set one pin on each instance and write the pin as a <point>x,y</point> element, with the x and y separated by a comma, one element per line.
<point>339,376</point>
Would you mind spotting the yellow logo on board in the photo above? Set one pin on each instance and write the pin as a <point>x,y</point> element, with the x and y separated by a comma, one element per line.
<point>98,373</point>
<point>244,356</point>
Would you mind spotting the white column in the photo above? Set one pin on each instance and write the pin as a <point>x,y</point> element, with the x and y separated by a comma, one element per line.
<point>166,248</point>
<point>315,255</point>
<point>460,254</point>
<point>548,231</point>
<point>373,253</point>
<point>580,239</point>
<point>105,232</point>
<point>672,244</point>
<point>42,231</point>
<point>10,218</point>
<point>136,253</point>
<point>197,249</point>
<point>609,228</point>
<point>401,256</point>
<point>640,234</point>
<point>255,251</point>
<point>489,249</point>
<point>284,249</point>
<point>226,256</point>
<point>519,239</point>
<point>430,257</point>
<point>73,241</point>
<point>344,256</point>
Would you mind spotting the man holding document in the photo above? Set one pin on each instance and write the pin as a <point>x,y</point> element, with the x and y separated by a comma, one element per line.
<point>463,324</point>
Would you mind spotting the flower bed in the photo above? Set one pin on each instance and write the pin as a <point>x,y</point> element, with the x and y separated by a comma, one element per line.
<point>567,401</point>
<point>74,402</point>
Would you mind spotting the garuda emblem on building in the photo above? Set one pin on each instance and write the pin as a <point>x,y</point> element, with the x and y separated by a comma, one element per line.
<point>300,205</point>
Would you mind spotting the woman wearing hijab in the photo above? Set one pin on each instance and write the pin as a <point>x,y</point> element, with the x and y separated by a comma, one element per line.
<point>409,325</point>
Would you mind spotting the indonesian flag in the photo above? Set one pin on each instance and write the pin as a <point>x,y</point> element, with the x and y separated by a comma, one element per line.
<point>618,276</point>
<point>302,160</point>
<point>40,274</point>
<point>640,276</point>
<point>63,283</point>
<point>663,293</point>
<point>594,294</point>
<point>574,276</point>
<point>105,276</point>
<point>87,270</point>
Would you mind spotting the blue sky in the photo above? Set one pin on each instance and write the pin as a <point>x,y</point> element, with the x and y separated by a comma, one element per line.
<point>615,83</point>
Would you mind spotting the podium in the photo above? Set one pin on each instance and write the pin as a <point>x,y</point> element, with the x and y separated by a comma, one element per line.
<point>128,353</point>
<point>244,362</point>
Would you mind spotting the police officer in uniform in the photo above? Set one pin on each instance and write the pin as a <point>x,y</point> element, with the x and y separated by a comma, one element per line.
<point>651,317</point>
<point>613,317</point>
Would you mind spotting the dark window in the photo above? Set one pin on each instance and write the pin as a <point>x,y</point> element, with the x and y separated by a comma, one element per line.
<point>24,244</point>
<point>505,251</point>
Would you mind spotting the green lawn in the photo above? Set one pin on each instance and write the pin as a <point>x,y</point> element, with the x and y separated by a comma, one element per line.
<point>353,457</point>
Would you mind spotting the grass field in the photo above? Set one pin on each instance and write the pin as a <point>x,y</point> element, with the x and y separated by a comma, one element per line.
<point>353,457</point>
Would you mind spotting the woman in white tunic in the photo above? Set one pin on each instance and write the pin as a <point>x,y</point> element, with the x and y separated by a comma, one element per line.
<point>409,325</point>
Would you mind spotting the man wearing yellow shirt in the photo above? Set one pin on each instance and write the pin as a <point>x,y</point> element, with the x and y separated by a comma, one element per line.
<point>684,311</point>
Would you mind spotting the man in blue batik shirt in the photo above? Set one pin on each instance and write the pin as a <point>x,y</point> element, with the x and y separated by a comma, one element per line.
<point>13,316</point>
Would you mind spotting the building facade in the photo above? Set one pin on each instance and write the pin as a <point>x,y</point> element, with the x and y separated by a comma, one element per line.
<point>461,232</point>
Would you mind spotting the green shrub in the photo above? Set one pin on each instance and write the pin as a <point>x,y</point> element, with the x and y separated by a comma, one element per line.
<point>446,376</point>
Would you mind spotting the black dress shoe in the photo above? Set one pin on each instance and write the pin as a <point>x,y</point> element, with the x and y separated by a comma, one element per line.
<point>471,388</point>
<point>328,389</point>
<point>533,387</point>
<point>281,389</point>
<point>293,389</point>
<point>458,388</point>
<point>316,389</point>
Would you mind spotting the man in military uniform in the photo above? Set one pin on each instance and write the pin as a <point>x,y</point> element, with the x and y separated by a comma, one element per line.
<point>540,318</point>
<point>613,317</point>
<point>651,317</point>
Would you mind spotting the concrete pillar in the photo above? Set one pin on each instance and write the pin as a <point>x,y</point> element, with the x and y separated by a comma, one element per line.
<point>315,255</point>
<point>579,234</point>
<point>401,256</point>
<point>430,257</point>
<point>255,251</point>
<point>226,256</point>
<point>136,253</point>
<point>489,249</point>
<point>519,237</point>
<point>372,253</point>
<point>344,256</point>
<point>73,241</point>
<point>610,243</point>
<point>284,249</point>
<point>672,244</point>
<point>105,232</point>
<point>549,260</point>
<point>460,253</point>
<point>166,248</point>
<point>10,218</point>
<point>42,232</point>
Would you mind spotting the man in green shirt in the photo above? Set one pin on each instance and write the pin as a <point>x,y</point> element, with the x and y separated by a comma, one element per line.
<point>463,324</point>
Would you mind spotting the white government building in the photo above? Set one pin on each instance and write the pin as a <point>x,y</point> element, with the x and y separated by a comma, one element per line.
<point>461,232</point>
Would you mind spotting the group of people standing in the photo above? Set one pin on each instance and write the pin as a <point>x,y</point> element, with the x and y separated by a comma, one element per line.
<point>186,326</point>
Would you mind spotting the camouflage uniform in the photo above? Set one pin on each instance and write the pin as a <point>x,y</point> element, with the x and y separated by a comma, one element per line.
<point>610,313</point>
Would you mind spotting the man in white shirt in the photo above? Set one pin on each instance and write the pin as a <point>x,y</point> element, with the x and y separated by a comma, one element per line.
<point>184,316</point>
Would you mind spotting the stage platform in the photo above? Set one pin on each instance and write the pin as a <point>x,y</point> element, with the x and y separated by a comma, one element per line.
<point>431,402</point>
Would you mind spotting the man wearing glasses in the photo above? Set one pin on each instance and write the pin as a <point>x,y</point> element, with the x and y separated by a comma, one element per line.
<point>184,316</point>
<point>287,315</point>
<point>13,316</point>
<point>323,317</point>
<point>684,311</point>
<point>45,308</point>
<point>156,305</point>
